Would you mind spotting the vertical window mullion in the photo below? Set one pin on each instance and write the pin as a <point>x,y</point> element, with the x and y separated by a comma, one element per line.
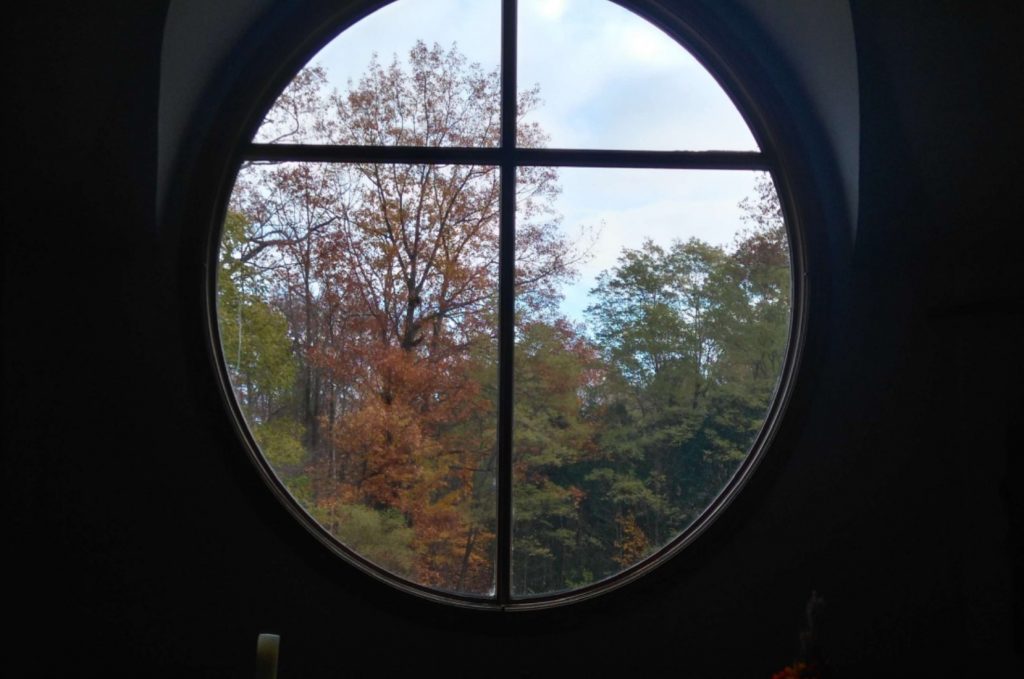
<point>506,299</point>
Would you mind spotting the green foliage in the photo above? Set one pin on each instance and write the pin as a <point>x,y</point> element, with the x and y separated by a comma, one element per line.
<point>280,440</point>
<point>254,334</point>
<point>381,536</point>
<point>356,309</point>
<point>554,442</point>
<point>260,359</point>
<point>624,436</point>
<point>301,488</point>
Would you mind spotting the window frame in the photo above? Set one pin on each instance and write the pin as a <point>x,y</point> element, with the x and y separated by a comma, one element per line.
<point>507,157</point>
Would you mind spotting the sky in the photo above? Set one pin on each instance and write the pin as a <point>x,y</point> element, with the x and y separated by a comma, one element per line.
<point>608,79</point>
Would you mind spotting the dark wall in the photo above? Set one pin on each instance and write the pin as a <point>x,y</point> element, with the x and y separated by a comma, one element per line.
<point>140,542</point>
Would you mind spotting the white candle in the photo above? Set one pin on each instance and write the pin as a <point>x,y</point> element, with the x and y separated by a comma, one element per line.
<point>267,646</point>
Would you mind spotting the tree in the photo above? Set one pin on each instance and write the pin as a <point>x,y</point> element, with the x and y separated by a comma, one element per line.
<point>358,303</point>
<point>692,337</point>
<point>553,440</point>
<point>387,276</point>
<point>257,351</point>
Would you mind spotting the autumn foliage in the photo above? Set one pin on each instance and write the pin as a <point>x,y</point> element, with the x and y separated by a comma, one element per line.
<point>358,319</point>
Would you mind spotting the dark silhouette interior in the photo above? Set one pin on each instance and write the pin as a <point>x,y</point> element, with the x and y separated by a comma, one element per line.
<point>142,542</point>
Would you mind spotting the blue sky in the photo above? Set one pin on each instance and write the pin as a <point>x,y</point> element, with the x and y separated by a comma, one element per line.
<point>608,79</point>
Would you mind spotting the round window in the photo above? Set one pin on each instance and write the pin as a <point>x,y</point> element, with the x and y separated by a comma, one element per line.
<point>503,295</point>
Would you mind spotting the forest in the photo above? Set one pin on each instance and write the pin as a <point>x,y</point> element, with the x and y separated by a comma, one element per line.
<point>357,312</point>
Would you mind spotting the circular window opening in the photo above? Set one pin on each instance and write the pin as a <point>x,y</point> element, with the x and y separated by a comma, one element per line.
<point>503,295</point>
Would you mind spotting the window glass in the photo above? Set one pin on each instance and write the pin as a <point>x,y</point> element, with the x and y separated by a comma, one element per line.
<point>451,45</point>
<point>644,374</point>
<point>609,79</point>
<point>498,375</point>
<point>357,317</point>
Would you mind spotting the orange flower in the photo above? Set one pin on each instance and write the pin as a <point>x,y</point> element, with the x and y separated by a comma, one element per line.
<point>799,670</point>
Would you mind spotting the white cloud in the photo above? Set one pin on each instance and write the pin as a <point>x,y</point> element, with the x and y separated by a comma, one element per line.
<point>629,206</point>
<point>550,10</point>
<point>474,25</point>
<point>608,79</point>
<point>646,44</point>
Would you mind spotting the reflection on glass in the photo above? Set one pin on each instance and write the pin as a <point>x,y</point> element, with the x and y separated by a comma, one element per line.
<point>357,315</point>
<point>413,73</point>
<point>609,79</point>
<point>647,352</point>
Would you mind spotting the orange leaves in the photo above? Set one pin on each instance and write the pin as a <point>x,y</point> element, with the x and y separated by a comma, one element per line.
<point>577,496</point>
<point>436,98</point>
<point>387,276</point>
<point>389,442</point>
<point>403,449</point>
<point>632,544</point>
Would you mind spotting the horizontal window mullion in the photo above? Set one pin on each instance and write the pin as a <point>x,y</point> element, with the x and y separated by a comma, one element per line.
<point>678,160</point>
<point>443,155</point>
<point>326,153</point>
